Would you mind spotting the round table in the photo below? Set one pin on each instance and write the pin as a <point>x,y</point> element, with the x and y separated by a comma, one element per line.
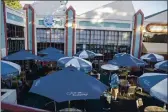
<point>154,109</point>
<point>70,110</point>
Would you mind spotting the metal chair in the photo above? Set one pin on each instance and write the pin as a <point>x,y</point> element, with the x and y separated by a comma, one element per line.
<point>131,90</point>
<point>139,103</point>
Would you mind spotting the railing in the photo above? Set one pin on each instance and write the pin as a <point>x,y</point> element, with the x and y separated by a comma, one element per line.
<point>19,108</point>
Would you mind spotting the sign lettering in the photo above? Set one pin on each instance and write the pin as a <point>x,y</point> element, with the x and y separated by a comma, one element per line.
<point>77,93</point>
<point>157,28</point>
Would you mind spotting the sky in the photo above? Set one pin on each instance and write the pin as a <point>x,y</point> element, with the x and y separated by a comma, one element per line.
<point>148,7</point>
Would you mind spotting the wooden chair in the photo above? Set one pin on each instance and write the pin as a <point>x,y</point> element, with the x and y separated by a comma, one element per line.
<point>131,90</point>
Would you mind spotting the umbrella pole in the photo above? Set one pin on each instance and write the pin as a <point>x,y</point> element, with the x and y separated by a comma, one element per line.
<point>55,106</point>
<point>164,107</point>
<point>69,106</point>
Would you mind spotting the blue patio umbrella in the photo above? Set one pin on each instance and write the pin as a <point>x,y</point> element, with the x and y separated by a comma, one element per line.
<point>68,84</point>
<point>85,54</point>
<point>9,69</point>
<point>156,84</point>
<point>152,57</point>
<point>50,50</point>
<point>52,57</point>
<point>163,65</point>
<point>126,60</point>
<point>79,63</point>
<point>22,55</point>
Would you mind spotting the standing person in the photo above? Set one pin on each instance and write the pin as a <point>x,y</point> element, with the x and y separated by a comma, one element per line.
<point>114,84</point>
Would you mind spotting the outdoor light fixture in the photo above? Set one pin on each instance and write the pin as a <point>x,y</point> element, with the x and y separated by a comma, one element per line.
<point>73,25</point>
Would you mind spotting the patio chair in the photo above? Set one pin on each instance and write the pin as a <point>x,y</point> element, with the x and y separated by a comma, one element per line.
<point>139,89</point>
<point>139,103</point>
<point>131,90</point>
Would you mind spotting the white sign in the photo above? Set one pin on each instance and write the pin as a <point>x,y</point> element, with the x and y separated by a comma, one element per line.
<point>157,28</point>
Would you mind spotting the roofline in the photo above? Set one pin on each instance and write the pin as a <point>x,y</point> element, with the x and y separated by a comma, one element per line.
<point>95,8</point>
<point>103,6</point>
<point>155,14</point>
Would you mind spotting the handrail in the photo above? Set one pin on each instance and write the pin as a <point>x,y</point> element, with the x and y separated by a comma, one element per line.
<point>19,108</point>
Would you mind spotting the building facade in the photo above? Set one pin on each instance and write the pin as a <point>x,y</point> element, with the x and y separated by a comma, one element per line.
<point>108,29</point>
<point>155,36</point>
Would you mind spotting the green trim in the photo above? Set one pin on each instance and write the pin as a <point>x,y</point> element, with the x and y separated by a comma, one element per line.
<point>155,14</point>
<point>104,24</point>
<point>14,17</point>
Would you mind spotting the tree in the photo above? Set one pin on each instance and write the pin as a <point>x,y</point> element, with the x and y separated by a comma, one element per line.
<point>13,4</point>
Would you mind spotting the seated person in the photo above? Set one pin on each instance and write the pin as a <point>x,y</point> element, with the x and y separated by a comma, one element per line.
<point>97,74</point>
<point>127,86</point>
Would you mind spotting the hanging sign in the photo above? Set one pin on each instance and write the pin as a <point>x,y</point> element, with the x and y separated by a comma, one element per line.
<point>50,22</point>
<point>157,28</point>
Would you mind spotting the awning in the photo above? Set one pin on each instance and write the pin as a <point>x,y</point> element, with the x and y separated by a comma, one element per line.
<point>158,48</point>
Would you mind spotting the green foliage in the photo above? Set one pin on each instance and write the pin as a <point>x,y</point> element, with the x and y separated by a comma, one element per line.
<point>13,4</point>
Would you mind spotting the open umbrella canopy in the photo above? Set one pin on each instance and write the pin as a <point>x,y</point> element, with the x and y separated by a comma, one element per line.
<point>52,57</point>
<point>126,60</point>
<point>163,65</point>
<point>152,57</point>
<point>50,50</point>
<point>9,69</point>
<point>68,84</point>
<point>79,63</point>
<point>109,67</point>
<point>85,54</point>
<point>22,55</point>
<point>156,84</point>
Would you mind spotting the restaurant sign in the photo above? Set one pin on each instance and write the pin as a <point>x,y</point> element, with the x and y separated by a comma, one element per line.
<point>50,21</point>
<point>157,28</point>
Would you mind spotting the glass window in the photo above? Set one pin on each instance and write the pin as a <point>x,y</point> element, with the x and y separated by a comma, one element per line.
<point>50,37</point>
<point>106,42</point>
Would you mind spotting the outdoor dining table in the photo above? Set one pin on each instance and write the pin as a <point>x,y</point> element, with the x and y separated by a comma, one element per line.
<point>70,110</point>
<point>154,109</point>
